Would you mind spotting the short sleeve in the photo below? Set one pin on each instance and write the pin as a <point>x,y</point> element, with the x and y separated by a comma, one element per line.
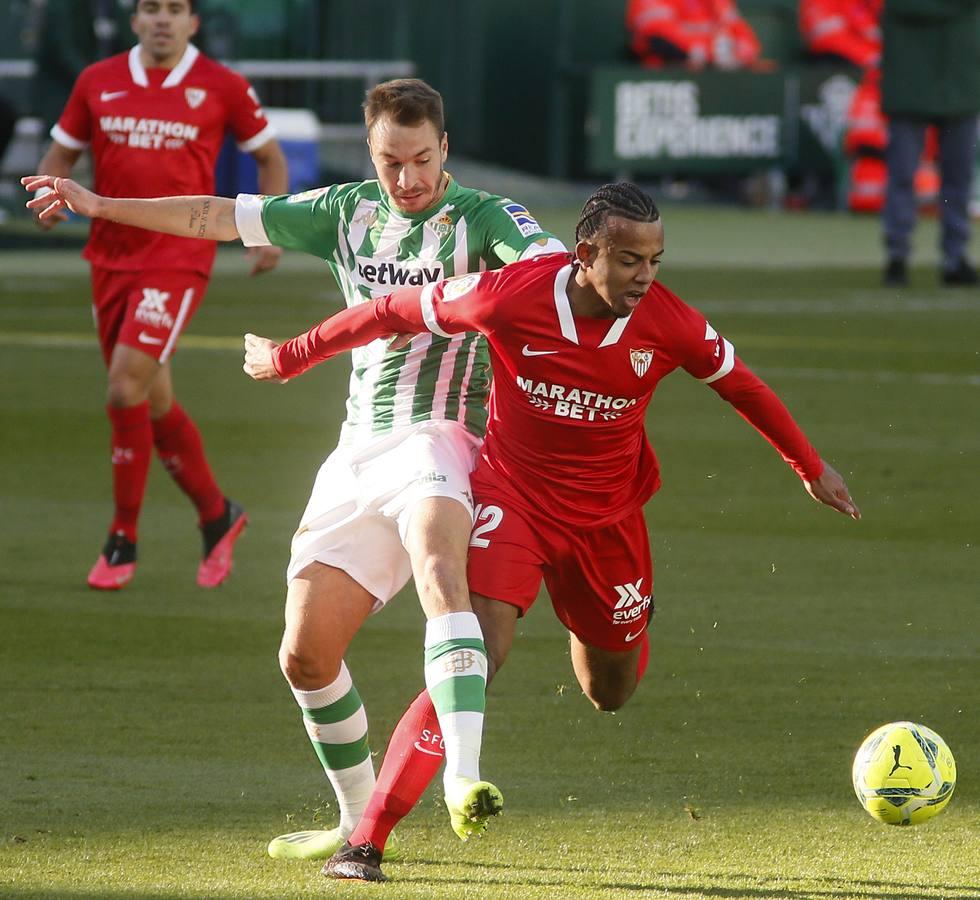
<point>508,230</point>
<point>307,222</point>
<point>246,118</point>
<point>74,127</point>
<point>706,355</point>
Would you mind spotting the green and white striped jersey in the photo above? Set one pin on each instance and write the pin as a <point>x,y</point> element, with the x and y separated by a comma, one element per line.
<point>372,249</point>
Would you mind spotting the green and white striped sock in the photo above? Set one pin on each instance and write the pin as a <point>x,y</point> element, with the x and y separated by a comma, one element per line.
<point>456,677</point>
<point>337,725</point>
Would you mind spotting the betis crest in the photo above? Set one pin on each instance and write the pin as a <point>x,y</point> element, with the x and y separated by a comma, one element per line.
<point>641,360</point>
<point>441,226</point>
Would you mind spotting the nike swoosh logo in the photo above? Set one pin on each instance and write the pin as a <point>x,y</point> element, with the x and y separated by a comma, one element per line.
<point>632,637</point>
<point>527,351</point>
<point>106,96</point>
<point>145,338</point>
<point>418,746</point>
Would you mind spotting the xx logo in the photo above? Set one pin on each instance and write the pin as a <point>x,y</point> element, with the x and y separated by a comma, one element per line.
<point>154,300</point>
<point>629,594</point>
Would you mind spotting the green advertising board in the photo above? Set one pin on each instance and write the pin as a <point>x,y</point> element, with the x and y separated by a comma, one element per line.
<point>649,122</point>
<point>824,97</point>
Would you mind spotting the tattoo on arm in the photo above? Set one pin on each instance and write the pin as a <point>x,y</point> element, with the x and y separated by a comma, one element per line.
<point>203,228</point>
<point>195,215</point>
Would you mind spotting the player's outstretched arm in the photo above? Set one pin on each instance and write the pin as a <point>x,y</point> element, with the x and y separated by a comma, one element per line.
<point>398,313</point>
<point>758,404</point>
<point>829,488</point>
<point>209,218</point>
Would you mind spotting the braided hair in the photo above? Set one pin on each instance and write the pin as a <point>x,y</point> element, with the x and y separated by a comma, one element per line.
<point>619,199</point>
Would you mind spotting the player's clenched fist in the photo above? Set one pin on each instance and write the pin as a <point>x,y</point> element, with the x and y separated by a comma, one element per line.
<point>258,359</point>
<point>56,196</point>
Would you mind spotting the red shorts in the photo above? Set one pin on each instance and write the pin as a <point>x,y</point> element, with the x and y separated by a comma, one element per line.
<point>600,580</point>
<point>145,310</point>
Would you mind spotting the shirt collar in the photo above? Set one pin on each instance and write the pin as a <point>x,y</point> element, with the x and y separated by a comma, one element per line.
<point>176,74</point>
<point>566,319</point>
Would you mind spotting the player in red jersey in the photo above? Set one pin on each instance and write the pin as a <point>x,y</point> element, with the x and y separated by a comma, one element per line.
<point>155,119</point>
<point>578,345</point>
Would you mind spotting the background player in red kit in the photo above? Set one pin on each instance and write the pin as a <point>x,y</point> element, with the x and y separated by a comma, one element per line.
<point>155,119</point>
<point>578,344</point>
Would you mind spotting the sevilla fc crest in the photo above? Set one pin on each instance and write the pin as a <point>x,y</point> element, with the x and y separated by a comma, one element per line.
<point>641,360</point>
<point>195,96</point>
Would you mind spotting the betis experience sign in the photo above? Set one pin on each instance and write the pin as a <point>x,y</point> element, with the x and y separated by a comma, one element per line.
<point>684,122</point>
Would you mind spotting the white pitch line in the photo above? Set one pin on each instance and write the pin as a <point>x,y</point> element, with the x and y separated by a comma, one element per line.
<point>882,376</point>
<point>859,304</point>
<point>74,341</point>
<point>69,341</point>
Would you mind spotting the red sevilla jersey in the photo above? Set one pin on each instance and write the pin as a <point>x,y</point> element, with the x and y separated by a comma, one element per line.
<point>569,393</point>
<point>156,133</point>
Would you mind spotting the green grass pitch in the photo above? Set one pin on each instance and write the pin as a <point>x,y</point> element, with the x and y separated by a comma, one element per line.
<point>149,746</point>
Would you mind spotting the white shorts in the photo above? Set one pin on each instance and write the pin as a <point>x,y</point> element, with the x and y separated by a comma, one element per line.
<point>363,498</point>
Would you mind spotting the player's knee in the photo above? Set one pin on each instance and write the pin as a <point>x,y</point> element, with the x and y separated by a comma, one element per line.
<point>440,579</point>
<point>305,670</point>
<point>159,408</point>
<point>607,701</point>
<point>126,389</point>
<point>609,695</point>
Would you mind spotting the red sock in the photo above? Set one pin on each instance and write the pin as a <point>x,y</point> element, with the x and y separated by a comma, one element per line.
<point>414,755</point>
<point>181,451</point>
<point>132,443</point>
<point>641,663</point>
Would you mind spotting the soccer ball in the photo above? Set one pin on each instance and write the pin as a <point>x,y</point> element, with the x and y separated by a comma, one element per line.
<point>904,773</point>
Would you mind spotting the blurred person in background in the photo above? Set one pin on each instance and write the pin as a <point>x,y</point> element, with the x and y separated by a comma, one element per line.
<point>930,76</point>
<point>694,33</point>
<point>842,31</point>
<point>154,119</point>
<point>848,31</point>
<point>68,35</point>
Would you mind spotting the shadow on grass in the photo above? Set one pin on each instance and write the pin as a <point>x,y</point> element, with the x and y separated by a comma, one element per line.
<point>739,885</point>
<point>507,876</point>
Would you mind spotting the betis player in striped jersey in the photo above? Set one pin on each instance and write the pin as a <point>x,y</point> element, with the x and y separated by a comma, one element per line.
<point>393,500</point>
<point>373,247</point>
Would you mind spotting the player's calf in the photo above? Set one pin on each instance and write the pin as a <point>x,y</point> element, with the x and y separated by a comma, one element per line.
<point>606,677</point>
